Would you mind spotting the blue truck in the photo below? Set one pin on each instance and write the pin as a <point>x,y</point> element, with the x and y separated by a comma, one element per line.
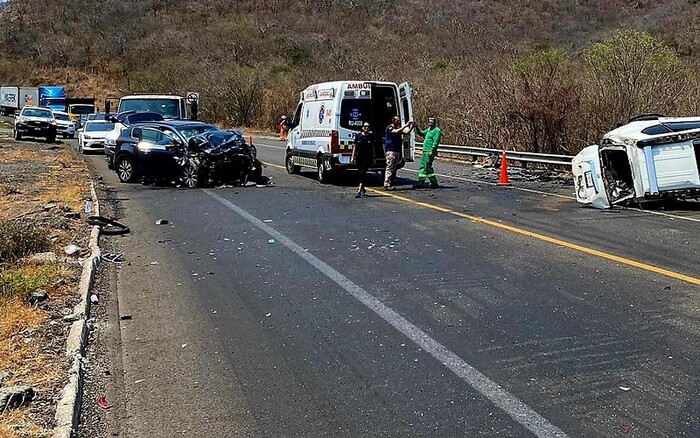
<point>53,97</point>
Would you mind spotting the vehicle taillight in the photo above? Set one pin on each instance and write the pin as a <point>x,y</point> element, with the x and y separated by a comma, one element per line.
<point>335,144</point>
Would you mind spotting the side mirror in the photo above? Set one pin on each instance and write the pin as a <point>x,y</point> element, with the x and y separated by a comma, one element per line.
<point>136,133</point>
<point>112,119</point>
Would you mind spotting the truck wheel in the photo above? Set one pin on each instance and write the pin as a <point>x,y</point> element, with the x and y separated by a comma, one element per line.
<point>16,135</point>
<point>289,164</point>
<point>324,175</point>
<point>125,169</point>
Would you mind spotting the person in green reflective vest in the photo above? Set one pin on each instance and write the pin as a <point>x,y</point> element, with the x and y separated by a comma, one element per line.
<point>430,149</point>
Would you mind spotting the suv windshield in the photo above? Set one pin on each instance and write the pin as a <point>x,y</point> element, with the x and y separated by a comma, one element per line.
<point>142,117</point>
<point>168,108</point>
<point>190,131</point>
<point>99,126</point>
<point>35,112</point>
<point>82,109</point>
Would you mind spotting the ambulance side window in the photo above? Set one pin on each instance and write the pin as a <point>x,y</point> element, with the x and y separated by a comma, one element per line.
<point>297,116</point>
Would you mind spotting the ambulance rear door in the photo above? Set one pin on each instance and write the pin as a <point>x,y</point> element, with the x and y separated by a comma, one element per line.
<point>406,105</point>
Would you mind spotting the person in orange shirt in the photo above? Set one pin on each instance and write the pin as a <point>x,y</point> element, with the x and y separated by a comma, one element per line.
<point>284,128</point>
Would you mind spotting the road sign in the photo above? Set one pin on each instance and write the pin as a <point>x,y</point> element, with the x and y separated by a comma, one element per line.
<point>192,97</point>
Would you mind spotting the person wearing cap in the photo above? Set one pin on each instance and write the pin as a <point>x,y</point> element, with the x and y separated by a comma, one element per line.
<point>284,127</point>
<point>432,137</point>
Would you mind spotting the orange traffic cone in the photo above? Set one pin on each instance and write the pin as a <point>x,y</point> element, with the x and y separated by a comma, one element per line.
<point>503,179</point>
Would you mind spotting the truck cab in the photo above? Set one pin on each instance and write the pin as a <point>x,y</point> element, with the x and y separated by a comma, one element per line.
<point>330,114</point>
<point>171,107</point>
<point>53,97</point>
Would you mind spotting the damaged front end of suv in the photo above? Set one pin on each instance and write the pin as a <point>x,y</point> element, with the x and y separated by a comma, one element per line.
<point>649,158</point>
<point>221,157</point>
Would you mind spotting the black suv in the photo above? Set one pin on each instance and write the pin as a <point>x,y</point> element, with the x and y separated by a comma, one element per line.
<point>186,153</point>
<point>35,122</point>
<point>152,149</point>
<point>122,121</point>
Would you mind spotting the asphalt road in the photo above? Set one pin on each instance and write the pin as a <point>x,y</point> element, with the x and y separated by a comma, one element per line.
<point>472,310</point>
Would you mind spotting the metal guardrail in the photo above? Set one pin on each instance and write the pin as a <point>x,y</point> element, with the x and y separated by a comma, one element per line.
<point>524,157</point>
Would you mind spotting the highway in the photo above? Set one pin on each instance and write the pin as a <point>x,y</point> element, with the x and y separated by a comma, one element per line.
<point>468,311</point>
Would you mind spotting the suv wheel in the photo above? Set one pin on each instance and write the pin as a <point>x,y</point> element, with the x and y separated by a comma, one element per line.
<point>16,135</point>
<point>289,164</point>
<point>190,176</point>
<point>51,138</point>
<point>125,169</point>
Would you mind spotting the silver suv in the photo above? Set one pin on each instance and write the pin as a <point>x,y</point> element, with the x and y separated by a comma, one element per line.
<point>35,122</point>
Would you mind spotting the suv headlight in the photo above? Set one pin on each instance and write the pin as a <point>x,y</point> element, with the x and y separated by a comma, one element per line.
<point>21,119</point>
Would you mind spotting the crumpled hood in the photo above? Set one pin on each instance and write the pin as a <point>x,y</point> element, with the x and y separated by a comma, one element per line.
<point>218,143</point>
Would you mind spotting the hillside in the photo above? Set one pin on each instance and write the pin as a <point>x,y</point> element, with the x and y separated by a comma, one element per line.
<point>250,58</point>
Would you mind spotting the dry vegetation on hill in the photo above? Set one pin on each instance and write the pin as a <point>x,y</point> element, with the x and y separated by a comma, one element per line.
<point>546,76</point>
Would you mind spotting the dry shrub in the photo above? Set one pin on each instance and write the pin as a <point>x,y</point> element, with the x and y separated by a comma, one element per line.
<point>19,238</point>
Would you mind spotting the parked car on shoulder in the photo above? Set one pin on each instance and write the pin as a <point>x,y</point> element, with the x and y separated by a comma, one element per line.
<point>91,137</point>
<point>35,122</point>
<point>162,151</point>
<point>65,127</point>
<point>121,122</point>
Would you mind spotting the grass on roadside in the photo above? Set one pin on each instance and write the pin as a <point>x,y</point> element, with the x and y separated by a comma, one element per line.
<point>18,283</point>
<point>19,238</point>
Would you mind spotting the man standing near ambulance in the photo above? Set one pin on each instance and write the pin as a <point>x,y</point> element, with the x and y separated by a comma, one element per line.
<point>393,146</point>
<point>430,149</point>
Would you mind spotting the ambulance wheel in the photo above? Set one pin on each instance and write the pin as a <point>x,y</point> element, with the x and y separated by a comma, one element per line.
<point>323,174</point>
<point>289,164</point>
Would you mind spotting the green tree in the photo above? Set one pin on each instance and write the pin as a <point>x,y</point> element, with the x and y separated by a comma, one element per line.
<point>632,73</point>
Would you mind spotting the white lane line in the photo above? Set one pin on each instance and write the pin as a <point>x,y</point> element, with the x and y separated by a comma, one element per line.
<point>507,402</point>
<point>522,189</point>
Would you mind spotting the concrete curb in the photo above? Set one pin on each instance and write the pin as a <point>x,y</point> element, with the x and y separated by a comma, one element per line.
<point>68,408</point>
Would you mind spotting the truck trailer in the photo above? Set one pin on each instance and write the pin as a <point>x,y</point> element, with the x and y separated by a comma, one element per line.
<point>13,99</point>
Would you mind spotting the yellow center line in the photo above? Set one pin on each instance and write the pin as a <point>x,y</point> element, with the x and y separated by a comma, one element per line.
<point>538,236</point>
<point>545,238</point>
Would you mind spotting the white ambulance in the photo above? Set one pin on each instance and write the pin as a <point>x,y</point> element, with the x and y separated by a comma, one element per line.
<point>330,114</point>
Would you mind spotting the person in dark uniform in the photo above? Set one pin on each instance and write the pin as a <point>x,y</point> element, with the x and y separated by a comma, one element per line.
<point>362,156</point>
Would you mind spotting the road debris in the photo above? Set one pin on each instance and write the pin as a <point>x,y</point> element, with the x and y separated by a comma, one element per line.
<point>113,258</point>
<point>270,241</point>
<point>103,403</point>
<point>38,296</point>
<point>162,222</point>
<point>14,397</point>
<point>125,318</point>
<point>70,249</point>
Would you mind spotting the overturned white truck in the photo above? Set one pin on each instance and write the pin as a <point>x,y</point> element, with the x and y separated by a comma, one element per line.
<point>651,157</point>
